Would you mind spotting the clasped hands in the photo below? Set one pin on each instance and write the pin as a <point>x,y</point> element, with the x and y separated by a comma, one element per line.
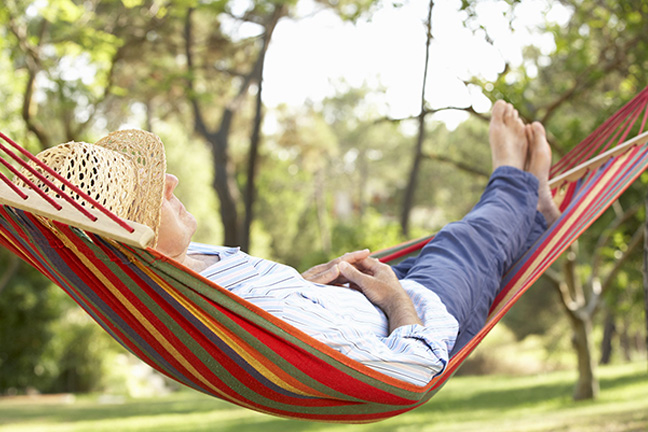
<point>374,279</point>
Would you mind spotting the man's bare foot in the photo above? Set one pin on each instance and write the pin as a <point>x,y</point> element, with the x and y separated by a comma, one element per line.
<point>538,164</point>
<point>507,136</point>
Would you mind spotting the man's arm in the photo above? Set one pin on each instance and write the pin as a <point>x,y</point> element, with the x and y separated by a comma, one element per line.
<point>411,352</point>
<point>374,279</point>
<point>379,284</point>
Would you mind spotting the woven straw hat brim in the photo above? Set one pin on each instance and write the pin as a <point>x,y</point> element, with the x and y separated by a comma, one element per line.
<point>124,172</point>
<point>146,151</point>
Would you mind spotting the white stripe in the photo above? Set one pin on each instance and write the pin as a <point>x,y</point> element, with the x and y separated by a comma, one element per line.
<point>340,317</point>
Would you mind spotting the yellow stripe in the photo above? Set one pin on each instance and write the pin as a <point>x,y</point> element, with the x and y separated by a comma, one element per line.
<point>225,335</point>
<point>547,248</point>
<point>142,319</point>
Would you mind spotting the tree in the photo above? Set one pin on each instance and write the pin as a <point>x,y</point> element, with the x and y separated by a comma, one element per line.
<point>266,15</point>
<point>418,149</point>
<point>595,67</point>
<point>27,310</point>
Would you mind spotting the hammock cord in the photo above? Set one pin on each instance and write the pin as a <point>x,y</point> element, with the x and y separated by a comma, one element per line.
<point>51,185</point>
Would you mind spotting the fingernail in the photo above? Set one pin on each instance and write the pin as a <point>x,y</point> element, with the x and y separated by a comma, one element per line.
<point>343,265</point>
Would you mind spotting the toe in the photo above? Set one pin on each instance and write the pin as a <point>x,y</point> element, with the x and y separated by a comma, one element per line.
<point>510,115</point>
<point>499,108</point>
<point>540,152</point>
<point>539,134</point>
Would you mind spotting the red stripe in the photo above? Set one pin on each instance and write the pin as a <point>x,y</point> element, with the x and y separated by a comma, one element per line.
<point>229,364</point>
<point>8,182</point>
<point>405,251</point>
<point>593,141</point>
<point>317,369</point>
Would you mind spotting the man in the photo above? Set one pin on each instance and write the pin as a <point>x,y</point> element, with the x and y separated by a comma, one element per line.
<point>404,320</point>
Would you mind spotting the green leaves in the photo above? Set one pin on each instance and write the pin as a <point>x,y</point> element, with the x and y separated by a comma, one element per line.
<point>61,10</point>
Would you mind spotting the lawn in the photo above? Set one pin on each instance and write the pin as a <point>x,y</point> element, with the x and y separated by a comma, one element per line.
<point>486,403</point>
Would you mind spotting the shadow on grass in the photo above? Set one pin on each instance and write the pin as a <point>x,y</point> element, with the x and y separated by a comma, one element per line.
<point>84,410</point>
<point>203,413</point>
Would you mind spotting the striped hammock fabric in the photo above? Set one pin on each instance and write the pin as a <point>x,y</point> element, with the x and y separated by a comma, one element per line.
<point>206,338</point>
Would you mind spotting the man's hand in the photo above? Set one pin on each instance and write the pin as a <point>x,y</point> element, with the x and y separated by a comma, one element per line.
<point>380,285</point>
<point>329,273</point>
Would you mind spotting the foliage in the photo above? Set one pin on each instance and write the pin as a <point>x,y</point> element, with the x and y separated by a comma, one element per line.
<point>331,175</point>
<point>78,354</point>
<point>46,342</point>
<point>28,308</point>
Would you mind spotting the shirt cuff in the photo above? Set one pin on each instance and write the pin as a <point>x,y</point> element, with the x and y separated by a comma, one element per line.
<point>437,344</point>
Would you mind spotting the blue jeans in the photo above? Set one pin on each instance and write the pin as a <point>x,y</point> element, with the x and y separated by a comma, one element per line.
<point>466,260</point>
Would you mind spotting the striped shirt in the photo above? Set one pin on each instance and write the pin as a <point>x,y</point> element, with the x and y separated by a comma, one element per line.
<point>341,317</point>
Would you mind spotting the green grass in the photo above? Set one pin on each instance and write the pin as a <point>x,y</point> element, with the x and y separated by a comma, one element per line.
<point>487,403</point>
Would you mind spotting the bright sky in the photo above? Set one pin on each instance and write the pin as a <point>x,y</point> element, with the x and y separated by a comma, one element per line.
<point>308,55</point>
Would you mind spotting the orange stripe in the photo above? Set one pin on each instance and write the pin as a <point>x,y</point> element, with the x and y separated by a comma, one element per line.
<point>151,329</point>
<point>248,353</point>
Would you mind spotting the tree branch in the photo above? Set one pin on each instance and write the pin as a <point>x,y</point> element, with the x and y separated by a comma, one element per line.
<point>597,293</point>
<point>429,111</point>
<point>635,241</point>
<point>582,82</point>
<point>571,288</point>
<point>553,276</point>
<point>32,60</point>
<point>460,165</point>
<point>609,231</point>
<point>199,122</point>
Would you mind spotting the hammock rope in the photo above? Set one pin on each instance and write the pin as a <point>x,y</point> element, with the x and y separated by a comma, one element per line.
<point>119,221</point>
<point>206,338</point>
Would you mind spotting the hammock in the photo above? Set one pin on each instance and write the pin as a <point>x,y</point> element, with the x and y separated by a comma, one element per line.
<point>206,338</point>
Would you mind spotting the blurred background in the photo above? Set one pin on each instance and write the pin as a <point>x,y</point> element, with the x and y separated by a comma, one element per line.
<point>302,129</point>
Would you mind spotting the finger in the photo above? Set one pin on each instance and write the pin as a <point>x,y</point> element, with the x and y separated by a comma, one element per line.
<point>350,257</point>
<point>326,276</point>
<point>356,256</point>
<point>313,271</point>
<point>371,265</point>
<point>353,275</point>
<point>321,268</point>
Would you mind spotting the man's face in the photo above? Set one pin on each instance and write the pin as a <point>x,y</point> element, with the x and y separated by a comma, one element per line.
<point>177,225</point>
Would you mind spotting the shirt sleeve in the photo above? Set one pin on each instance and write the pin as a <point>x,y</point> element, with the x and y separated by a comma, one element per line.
<point>411,353</point>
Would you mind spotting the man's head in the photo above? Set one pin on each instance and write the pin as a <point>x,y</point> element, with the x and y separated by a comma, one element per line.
<point>124,172</point>
<point>177,225</point>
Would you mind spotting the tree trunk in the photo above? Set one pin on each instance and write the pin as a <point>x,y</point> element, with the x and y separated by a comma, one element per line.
<point>250,186</point>
<point>320,205</point>
<point>224,179</point>
<point>224,183</point>
<point>609,329</point>
<point>587,386</point>
<point>408,200</point>
<point>253,156</point>
<point>625,342</point>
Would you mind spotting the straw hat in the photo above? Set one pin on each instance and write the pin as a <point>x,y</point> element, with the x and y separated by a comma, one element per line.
<point>123,172</point>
